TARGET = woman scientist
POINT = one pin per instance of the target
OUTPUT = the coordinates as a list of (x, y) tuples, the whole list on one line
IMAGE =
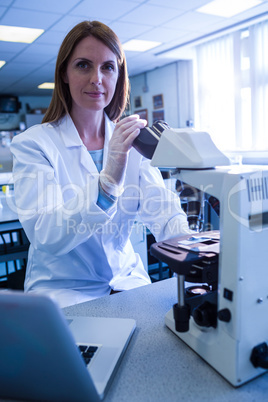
[(79, 184)]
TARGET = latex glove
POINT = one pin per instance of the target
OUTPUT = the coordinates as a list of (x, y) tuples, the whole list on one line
[(113, 175)]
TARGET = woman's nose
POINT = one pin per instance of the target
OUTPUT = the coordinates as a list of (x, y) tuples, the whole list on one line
[(96, 77)]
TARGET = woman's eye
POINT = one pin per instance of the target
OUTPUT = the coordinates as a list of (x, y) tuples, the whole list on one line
[(82, 64), (109, 67)]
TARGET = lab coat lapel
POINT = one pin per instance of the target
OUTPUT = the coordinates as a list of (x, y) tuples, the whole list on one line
[(109, 129), (72, 139), (87, 161)]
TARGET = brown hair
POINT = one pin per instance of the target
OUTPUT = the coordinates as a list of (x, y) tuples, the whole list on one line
[(61, 102)]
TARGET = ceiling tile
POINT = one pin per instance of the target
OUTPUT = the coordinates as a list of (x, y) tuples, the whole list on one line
[(66, 23), (2, 10), (262, 8), (6, 3), (19, 69), (180, 4), (193, 21), (12, 47), (60, 7), (26, 18), (162, 34), (126, 30), (42, 56), (50, 38), (106, 9), (151, 15)]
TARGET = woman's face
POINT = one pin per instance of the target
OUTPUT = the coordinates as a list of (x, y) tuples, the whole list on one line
[(92, 73)]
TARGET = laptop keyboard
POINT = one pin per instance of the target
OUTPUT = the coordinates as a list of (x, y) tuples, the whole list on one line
[(87, 352)]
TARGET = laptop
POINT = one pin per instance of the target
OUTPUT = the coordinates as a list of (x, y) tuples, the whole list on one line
[(40, 359)]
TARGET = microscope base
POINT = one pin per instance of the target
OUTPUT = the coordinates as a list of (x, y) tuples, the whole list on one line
[(219, 350)]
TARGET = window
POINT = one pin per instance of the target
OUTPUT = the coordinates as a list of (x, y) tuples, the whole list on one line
[(231, 76)]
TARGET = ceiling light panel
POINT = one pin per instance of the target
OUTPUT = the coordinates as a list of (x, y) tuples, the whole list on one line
[(19, 34), (47, 85), (228, 8), (136, 45)]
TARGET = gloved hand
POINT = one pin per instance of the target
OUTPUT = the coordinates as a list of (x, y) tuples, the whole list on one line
[(113, 175)]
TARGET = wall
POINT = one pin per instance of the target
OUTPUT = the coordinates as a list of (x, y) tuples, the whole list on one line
[(175, 83), (11, 121)]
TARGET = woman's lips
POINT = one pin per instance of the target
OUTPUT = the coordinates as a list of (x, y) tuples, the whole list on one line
[(95, 94)]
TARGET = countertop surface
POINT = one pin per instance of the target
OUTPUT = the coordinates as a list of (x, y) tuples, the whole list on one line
[(157, 365)]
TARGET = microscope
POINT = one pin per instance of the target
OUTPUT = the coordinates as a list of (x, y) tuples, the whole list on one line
[(223, 314)]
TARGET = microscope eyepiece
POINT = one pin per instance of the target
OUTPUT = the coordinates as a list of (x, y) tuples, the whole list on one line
[(147, 140)]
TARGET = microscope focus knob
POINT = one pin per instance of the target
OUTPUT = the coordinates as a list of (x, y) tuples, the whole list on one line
[(205, 315), (224, 315), (181, 316)]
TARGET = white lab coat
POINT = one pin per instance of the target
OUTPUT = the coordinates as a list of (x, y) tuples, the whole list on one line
[(78, 251)]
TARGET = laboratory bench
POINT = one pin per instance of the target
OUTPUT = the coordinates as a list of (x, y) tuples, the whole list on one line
[(157, 365)]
